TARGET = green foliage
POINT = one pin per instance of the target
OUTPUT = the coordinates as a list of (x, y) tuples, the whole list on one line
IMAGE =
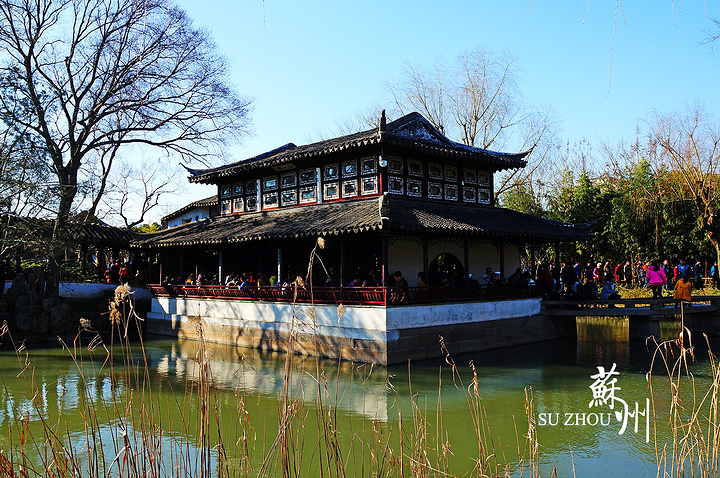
[(523, 199), (642, 216), (70, 269), (147, 228), (561, 198)]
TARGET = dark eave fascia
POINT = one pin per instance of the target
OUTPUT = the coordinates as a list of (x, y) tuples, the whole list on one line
[(499, 161), (575, 235), (258, 237), (391, 136)]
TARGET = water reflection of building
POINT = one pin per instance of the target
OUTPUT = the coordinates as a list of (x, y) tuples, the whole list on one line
[(359, 389), (399, 197)]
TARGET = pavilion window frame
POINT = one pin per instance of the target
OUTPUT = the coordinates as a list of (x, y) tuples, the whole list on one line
[(307, 189), (415, 168), (308, 177), (238, 204), (451, 192), (396, 165), (286, 199), (288, 180), (331, 172), (473, 194), (367, 191), (435, 171), (331, 191), (410, 188), (349, 188)]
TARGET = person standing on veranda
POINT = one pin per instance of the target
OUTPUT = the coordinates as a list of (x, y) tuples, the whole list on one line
[(656, 279)]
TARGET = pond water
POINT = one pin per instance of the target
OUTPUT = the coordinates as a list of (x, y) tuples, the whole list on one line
[(382, 420)]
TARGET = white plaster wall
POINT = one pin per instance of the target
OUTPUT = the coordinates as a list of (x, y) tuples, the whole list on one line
[(512, 259), (406, 257), (455, 248), (357, 322), (95, 290), (408, 317), (202, 212), (482, 256), (488, 255)]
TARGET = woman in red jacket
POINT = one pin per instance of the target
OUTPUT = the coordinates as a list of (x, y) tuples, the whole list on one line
[(656, 279)]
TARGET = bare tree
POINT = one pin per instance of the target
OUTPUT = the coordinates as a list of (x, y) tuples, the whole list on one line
[(476, 101), (688, 145), (25, 192), (134, 192), (98, 75)]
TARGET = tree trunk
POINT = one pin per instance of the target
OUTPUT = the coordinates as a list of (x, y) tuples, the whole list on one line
[(61, 236)]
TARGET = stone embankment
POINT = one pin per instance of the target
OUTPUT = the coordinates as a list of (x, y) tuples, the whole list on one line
[(27, 312)]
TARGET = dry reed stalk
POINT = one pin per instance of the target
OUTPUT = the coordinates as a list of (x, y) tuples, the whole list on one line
[(694, 426), (423, 450), (532, 441), (488, 461)]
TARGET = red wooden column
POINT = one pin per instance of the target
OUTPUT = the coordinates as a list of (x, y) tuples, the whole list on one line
[(385, 281), (384, 247), (342, 261)]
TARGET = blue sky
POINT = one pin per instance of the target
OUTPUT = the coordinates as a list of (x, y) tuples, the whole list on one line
[(309, 65)]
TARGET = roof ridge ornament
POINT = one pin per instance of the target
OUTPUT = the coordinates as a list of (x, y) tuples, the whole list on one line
[(382, 160)]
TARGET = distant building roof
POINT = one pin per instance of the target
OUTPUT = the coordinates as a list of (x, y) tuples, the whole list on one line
[(412, 131), (389, 212), (104, 235), (207, 202), (83, 232)]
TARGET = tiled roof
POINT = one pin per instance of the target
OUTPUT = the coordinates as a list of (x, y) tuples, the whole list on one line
[(390, 213), (96, 233), (412, 131), (207, 202), (472, 220), (100, 234), (311, 220)]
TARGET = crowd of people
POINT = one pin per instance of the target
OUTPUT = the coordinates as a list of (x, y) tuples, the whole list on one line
[(594, 280), (329, 278), (599, 280), (122, 271)]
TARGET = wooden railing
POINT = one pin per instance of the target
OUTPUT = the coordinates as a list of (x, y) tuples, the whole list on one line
[(347, 295), (630, 307)]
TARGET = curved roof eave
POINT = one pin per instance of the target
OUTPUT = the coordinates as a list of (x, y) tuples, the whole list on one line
[(411, 130)]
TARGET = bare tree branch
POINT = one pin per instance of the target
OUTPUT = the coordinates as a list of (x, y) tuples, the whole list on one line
[(99, 75)]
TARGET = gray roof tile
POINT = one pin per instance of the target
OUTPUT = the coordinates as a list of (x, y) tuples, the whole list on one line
[(392, 213), (412, 131)]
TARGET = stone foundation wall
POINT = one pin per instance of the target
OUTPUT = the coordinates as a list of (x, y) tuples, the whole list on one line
[(270, 340), (422, 343), (360, 333)]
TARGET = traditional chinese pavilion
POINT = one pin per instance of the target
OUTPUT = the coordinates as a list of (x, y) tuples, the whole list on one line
[(399, 197)]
